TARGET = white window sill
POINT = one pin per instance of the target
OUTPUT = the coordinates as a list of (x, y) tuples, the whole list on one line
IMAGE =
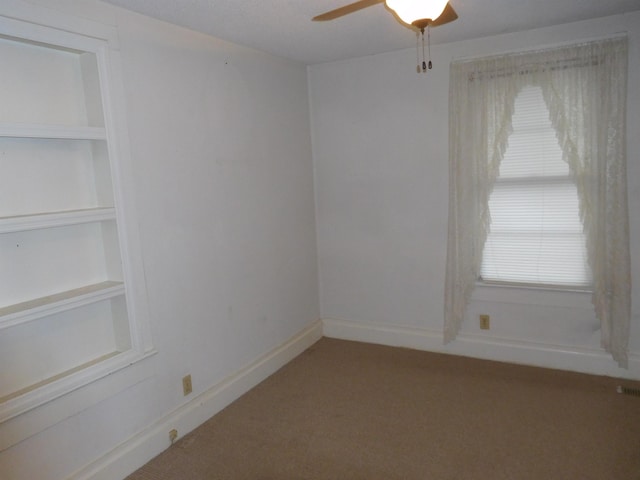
[(531, 295)]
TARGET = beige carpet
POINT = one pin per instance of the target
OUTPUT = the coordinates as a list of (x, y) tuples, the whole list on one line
[(345, 410)]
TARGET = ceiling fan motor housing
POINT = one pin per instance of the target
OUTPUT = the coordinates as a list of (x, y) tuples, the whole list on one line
[(419, 13)]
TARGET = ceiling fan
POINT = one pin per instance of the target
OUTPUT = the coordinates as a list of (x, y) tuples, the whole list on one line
[(420, 14)]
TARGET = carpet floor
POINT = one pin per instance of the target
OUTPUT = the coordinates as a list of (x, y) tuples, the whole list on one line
[(347, 410)]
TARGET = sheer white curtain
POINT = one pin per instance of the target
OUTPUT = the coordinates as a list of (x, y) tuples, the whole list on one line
[(584, 87)]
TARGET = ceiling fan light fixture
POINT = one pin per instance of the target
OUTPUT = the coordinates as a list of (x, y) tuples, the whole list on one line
[(412, 11)]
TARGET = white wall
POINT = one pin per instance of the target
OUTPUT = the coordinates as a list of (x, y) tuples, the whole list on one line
[(380, 145), (223, 184)]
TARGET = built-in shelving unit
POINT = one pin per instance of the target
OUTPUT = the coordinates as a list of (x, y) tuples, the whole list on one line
[(65, 316)]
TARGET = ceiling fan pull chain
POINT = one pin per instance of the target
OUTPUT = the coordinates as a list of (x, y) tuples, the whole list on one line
[(424, 64), (429, 43), (418, 69)]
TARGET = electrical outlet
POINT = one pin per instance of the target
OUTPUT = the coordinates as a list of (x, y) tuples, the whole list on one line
[(187, 388), (485, 322), (173, 435)]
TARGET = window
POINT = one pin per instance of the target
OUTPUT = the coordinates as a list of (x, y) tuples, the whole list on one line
[(584, 88), (536, 236)]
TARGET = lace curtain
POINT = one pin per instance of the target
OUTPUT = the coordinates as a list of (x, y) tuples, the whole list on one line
[(584, 87)]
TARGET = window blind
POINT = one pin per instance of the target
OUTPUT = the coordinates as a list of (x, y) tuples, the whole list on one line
[(536, 235)]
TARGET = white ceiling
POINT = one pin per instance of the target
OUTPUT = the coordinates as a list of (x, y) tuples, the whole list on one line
[(284, 27)]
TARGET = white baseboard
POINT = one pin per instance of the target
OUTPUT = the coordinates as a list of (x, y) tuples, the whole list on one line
[(145, 445), (571, 358)]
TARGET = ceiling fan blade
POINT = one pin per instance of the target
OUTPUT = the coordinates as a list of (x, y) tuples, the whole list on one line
[(447, 15), (339, 12)]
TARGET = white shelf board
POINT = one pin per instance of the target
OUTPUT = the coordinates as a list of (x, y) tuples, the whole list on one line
[(23, 312), (21, 223), (27, 130), (59, 376), (44, 391)]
